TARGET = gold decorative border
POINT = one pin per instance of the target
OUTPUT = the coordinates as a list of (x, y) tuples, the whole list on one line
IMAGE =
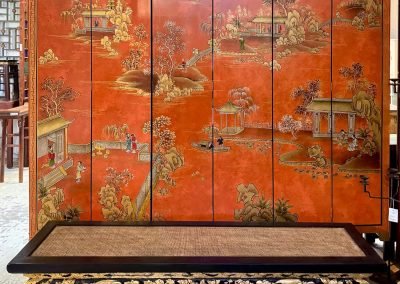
[(32, 49)]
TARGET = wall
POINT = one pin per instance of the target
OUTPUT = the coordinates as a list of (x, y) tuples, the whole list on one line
[(270, 80)]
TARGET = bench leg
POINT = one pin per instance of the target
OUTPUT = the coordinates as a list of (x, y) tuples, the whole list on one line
[(26, 145), (21, 125), (3, 148)]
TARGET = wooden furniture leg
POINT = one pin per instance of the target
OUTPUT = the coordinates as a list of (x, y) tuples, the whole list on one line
[(21, 125), (10, 141), (3, 148), (26, 145)]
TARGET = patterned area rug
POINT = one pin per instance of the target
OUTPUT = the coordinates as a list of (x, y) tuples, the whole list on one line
[(197, 278)]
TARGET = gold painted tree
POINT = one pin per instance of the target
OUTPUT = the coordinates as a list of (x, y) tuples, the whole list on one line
[(115, 131), (137, 52), (165, 138), (363, 100), (167, 158), (55, 96), (242, 98), (307, 93), (120, 17), (169, 43)]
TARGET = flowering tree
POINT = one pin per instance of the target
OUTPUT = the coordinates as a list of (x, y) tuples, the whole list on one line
[(56, 94), (165, 137), (242, 98), (288, 124), (140, 32), (117, 179), (357, 82), (307, 94), (169, 43), (168, 159), (137, 52)]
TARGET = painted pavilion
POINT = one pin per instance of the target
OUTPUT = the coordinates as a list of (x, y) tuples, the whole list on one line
[(53, 130), (230, 110), (266, 26), (96, 20), (331, 108)]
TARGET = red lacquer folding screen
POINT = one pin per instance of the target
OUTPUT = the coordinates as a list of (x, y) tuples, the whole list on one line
[(209, 110)]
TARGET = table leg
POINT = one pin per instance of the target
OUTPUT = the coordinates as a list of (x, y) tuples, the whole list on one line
[(21, 125), (3, 148)]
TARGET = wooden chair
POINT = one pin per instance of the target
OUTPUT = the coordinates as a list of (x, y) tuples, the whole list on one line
[(7, 116)]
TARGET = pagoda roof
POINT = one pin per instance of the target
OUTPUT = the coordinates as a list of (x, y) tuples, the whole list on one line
[(51, 125), (229, 108), (327, 105)]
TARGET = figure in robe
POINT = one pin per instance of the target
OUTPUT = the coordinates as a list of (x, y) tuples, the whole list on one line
[(128, 143), (52, 157), (134, 143), (353, 146), (80, 168)]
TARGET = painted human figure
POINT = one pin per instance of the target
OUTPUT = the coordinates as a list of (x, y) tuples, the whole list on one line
[(80, 168), (342, 134), (342, 137), (134, 143), (241, 41), (353, 146), (128, 143), (52, 157), (220, 141)]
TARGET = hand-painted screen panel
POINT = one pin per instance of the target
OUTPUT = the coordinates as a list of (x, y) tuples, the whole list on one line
[(200, 110), (64, 111)]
